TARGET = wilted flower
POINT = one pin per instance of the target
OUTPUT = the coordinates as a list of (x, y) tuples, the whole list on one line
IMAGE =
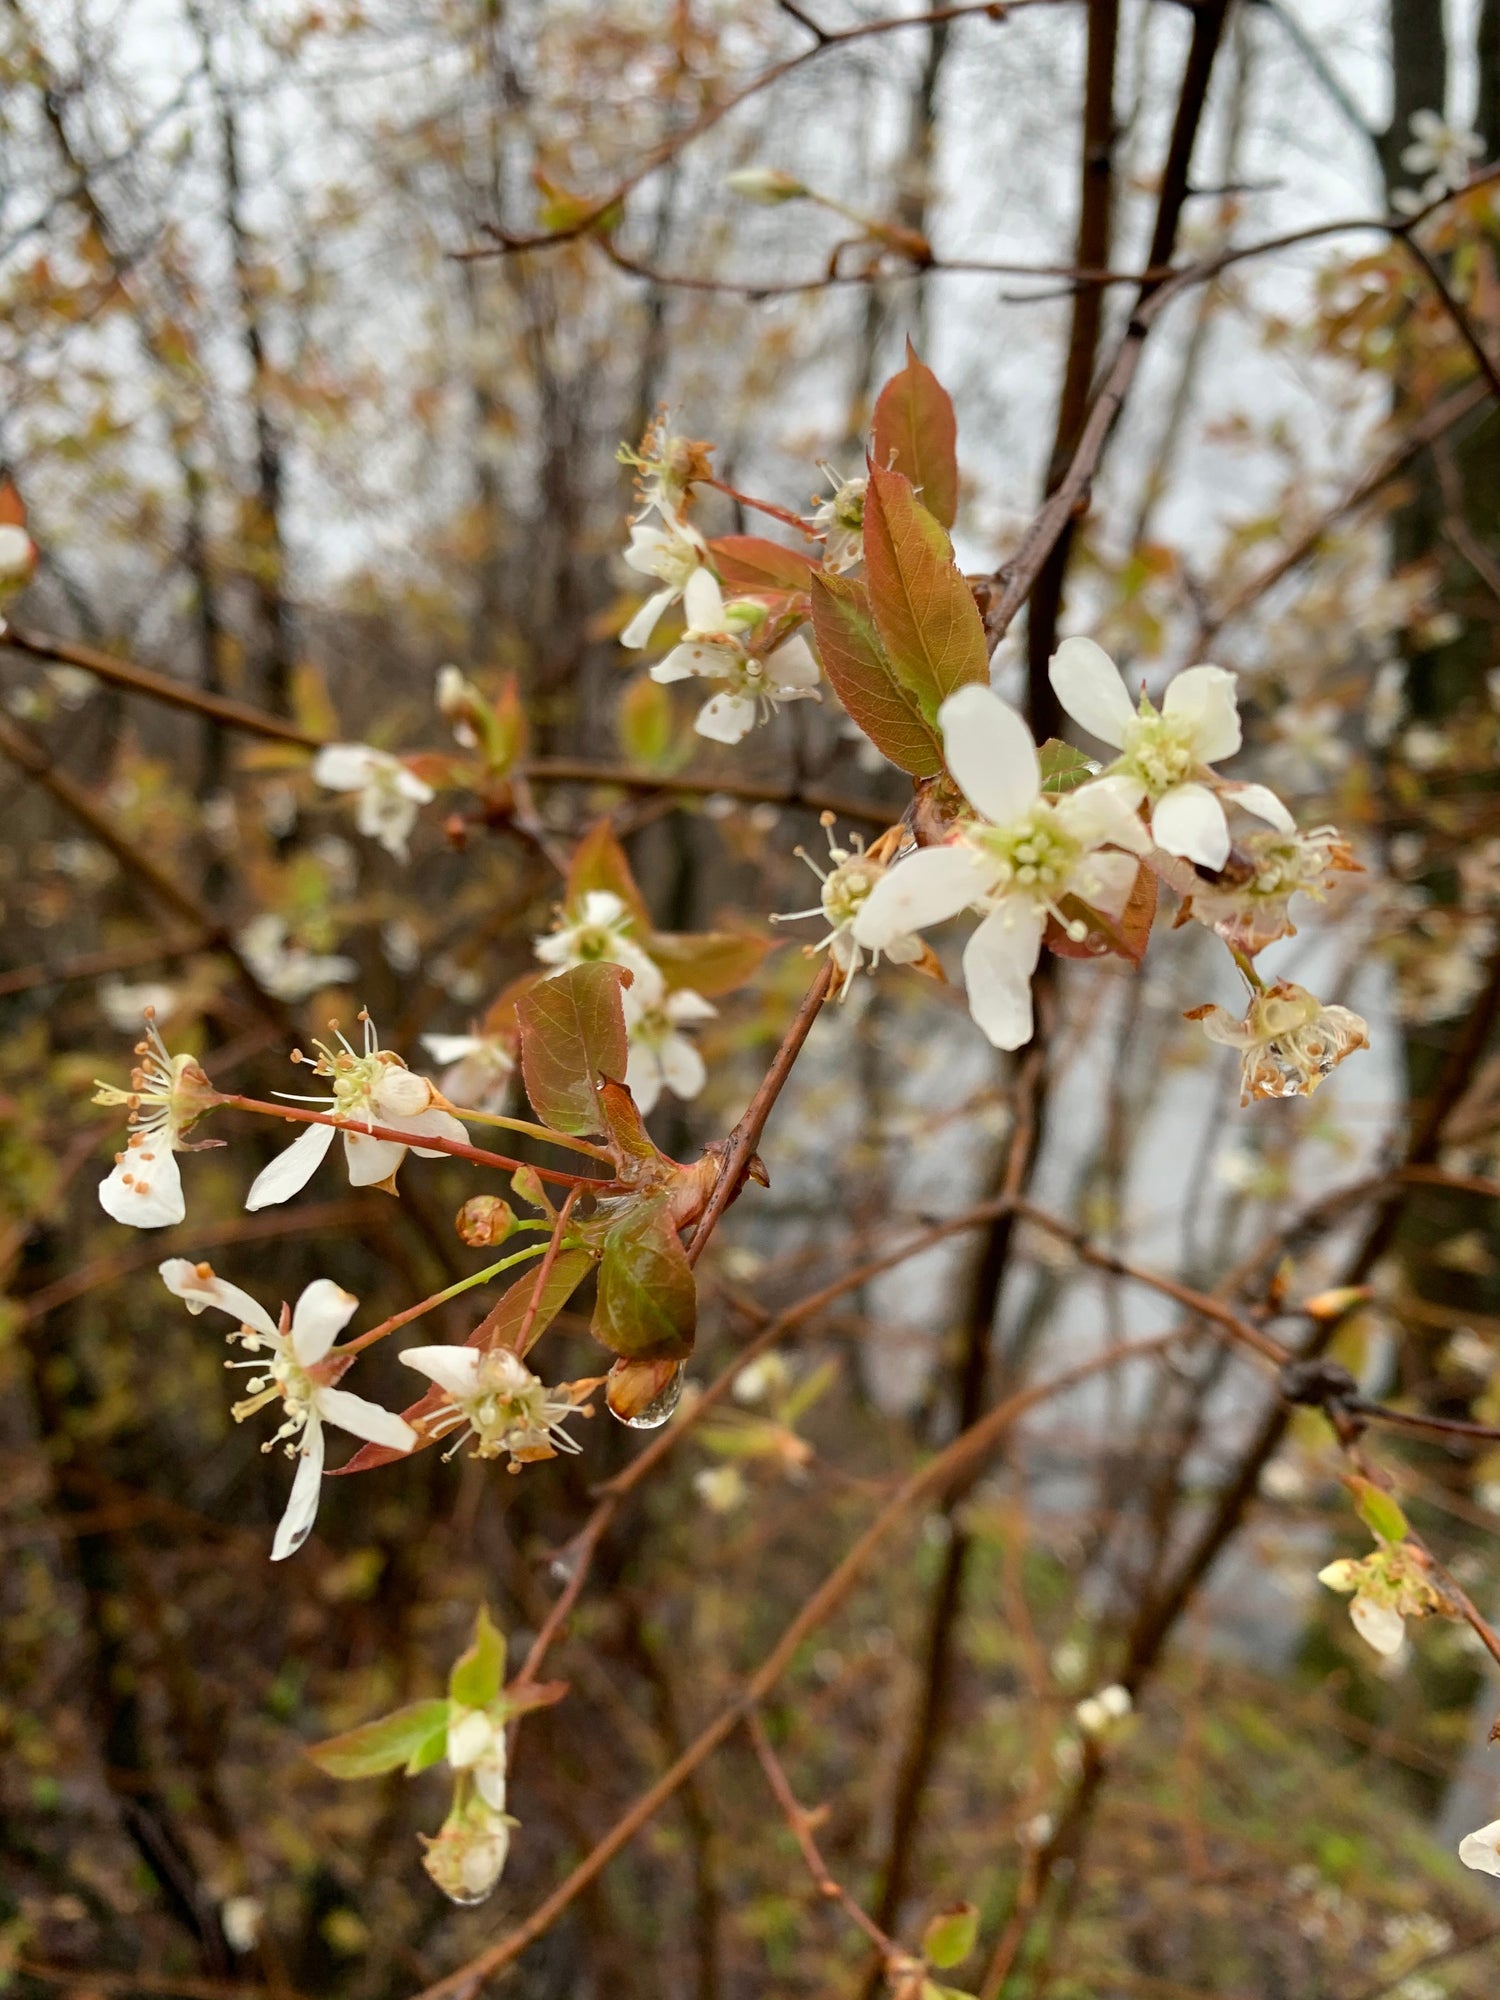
[(1247, 902), (1017, 861), (298, 1375), (666, 468), (1289, 1041), (376, 1088), (499, 1402), (717, 646), (846, 886), (467, 1857), (841, 518), (476, 1069), (1389, 1586), (289, 971), (661, 1056), (1166, 754), (600, 926), (389, 795), (167, 1095), (1481, 1850), (677, 555)]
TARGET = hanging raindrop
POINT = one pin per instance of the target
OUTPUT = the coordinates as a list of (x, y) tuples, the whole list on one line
[(651, 1416)]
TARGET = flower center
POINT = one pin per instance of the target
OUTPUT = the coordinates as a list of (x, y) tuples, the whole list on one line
[(846, 888), (1159, 751), (1033, 855)]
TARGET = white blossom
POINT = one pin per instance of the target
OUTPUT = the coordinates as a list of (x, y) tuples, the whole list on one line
[(476, 1744), (295, 1373), (601, 926), (1166, 755), (498, 1402), (167, 1095), (289, 971), (676, 554), (717, 646), (1015, 861), (1443, 150), (1481, 1849), (477, 1069), (661, 1056), (389, 795), (373, 1087), (841, 521), (845, 890)]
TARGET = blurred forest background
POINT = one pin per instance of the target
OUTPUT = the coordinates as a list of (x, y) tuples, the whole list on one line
[(291, 426)]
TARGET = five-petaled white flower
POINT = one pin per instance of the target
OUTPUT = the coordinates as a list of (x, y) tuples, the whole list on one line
[(846, 888), (167, 1095), (1443, 150), (477, 1069), (1016, 861), (717, 647), (290, 971), (373, 1088), (297, 1372), (677, 555), (1166, 754), (389, 794), (499, 1402), (661, 1056), (1481, 1849), (600, 925)]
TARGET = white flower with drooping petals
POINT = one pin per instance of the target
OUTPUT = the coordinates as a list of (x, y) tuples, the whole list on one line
[(375, 1088), (846, 888), (1387, 1588), (297, 1374), (677, 555), (716, 647), (389, 795), (1481, 1849), (499, 1402), (167, 1095), (1016, 861), (476, 1744), (476, 1069), (1166, 754), (601, 926), (841, 519), (1288, 1040), (289, 971), (661, 1056)]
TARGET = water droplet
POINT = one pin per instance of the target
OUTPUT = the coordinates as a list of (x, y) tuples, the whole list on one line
[(466, 1898), (651, 1416)]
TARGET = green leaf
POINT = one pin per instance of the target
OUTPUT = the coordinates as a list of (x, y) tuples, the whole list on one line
[(1064, 769), (1126, 936), (916, 432), (951, 1935), (648, 1304), (406, 1737), (708, 962), (855, 662), (924, 611), (648, 730), (599, 863), (572, 1033), (1378, 1510), (479, 1673), (750, 562)]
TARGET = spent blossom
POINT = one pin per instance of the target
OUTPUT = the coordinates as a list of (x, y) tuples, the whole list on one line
[(1247, 901), (1388, 1587), (167, 1095), (666, 468), (845, 890), (1166, 755), (372, 1086), (1017, 861), (467, 1856), (297, 1371), (498, 1402), (718, 645), (677, 556), (661, 1056), (1288, 1040), (841, 521), (388, 794)]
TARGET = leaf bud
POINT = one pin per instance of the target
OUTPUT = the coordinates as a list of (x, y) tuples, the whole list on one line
[(484, 1219)]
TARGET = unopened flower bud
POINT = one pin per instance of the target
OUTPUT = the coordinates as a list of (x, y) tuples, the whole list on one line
[(767, 185), (17, 554), (485, 1219), (400, 1094)]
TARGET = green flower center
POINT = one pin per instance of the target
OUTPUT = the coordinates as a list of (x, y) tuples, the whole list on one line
[(1158, 751), (846, 888), (1035, 855)]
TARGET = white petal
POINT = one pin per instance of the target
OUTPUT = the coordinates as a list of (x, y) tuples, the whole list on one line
[(1481, 1850), (646, 545), (728, 718), (370, 1421), (692, 658), (371, 1161), (989, 751), (685, 1005), (638, 631), (445, 1049), (928, 887), (319, 1317), (792, 664), (703, 601), (1379, 1625), (290, 1171), (1204, 697), (412, 787), (643, 1079), (489, 1782), (1104, 882), (182, 1279), (1189, 821), (433, 1124), (469, 1736), (1105, 811), (1263, 802), (1087, 683), (682, 1067), (452, 1368), (999, 960), (302, 1506), (154, 1197), (346, 767)]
